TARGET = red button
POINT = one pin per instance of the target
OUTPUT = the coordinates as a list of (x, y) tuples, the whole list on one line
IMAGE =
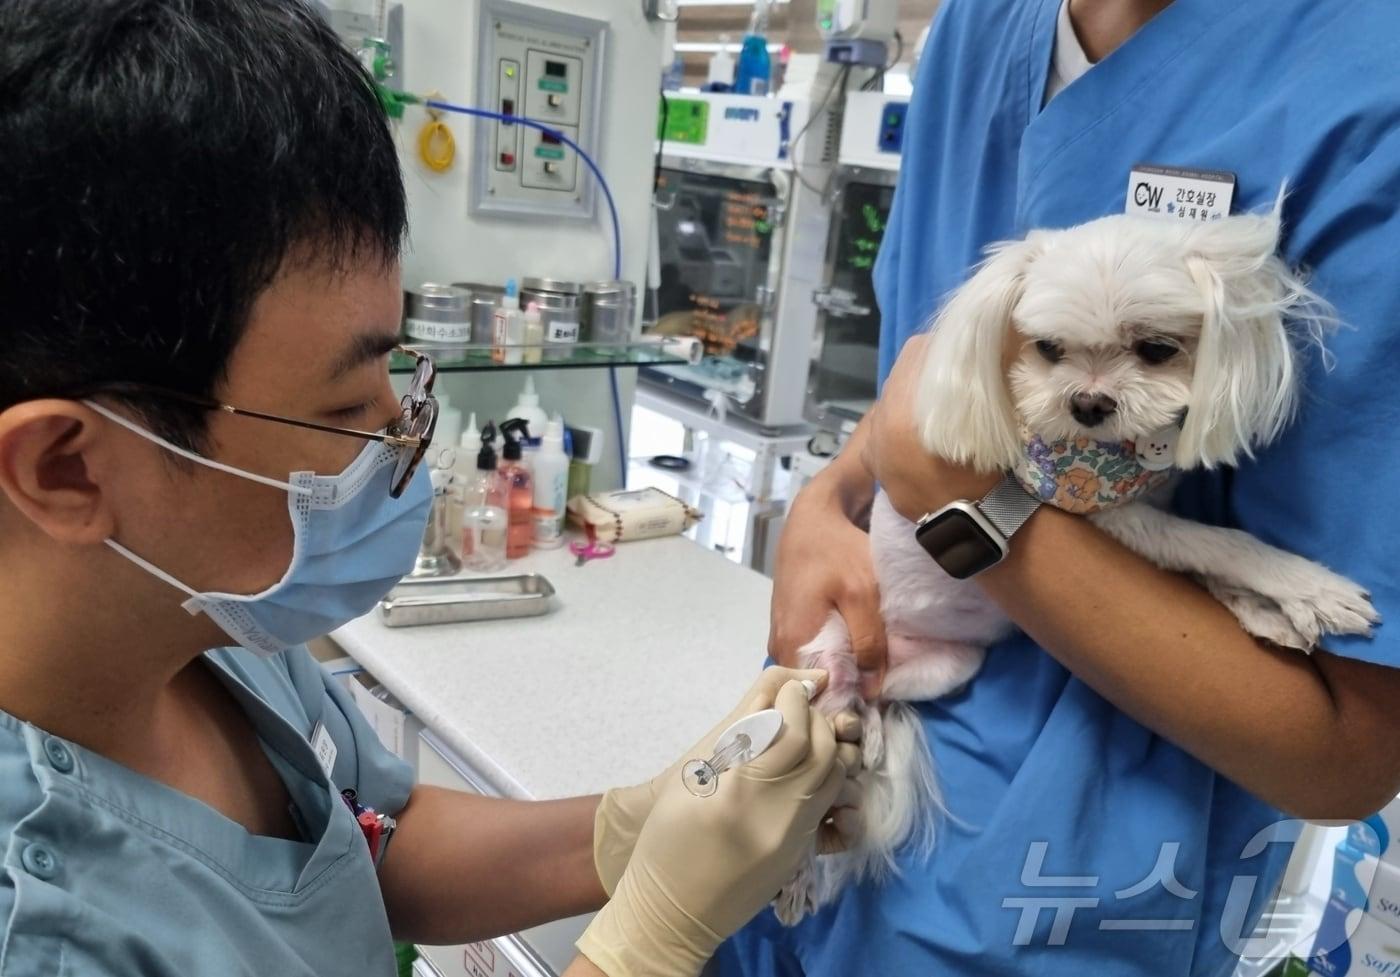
[(507, 159)]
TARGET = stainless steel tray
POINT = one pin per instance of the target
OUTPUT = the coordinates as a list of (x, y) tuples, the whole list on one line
[(454, 599)]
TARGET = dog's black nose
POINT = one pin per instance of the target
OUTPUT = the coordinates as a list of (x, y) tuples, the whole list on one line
[(1091, 409)]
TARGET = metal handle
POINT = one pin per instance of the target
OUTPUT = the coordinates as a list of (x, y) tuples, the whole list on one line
[(766, 298), (838, 302)]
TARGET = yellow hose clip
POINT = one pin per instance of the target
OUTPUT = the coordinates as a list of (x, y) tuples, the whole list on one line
[(436, 146)]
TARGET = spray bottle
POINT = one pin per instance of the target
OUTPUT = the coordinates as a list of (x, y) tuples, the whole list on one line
[(527, 408), (484, 518), (520, 497)]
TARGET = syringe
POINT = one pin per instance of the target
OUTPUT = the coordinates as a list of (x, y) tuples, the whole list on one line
[(742, 742)]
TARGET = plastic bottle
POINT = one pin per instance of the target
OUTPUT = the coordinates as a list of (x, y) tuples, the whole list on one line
[(440, 552), (551, 471), (520, 497), (754, 71), (485, 522), (508, 327), (449, 426), (534, 333), (721, 74), (527, 408)]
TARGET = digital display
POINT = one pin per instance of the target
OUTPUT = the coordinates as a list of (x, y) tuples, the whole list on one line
[(549, 139), (716, 240), (556, 69), (844, 374)]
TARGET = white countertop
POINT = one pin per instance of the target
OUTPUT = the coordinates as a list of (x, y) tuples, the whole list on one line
[(643, 652)]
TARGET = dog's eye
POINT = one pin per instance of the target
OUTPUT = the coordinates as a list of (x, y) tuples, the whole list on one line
[(1156, 351), (1052, 351)]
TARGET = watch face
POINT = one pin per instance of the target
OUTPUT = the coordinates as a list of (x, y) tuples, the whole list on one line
[(958, 544)]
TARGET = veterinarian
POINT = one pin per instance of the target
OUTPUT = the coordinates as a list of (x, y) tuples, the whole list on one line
[(183, 228), (1116, 761)]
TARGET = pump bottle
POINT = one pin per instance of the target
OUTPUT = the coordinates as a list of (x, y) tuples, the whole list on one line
[(520, 498)]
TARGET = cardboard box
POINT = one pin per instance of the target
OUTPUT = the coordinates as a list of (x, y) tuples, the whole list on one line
[(1379, 834), (1351, 943), (1362, 881)]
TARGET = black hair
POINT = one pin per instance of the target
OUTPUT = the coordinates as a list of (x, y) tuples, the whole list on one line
[(160, 161)]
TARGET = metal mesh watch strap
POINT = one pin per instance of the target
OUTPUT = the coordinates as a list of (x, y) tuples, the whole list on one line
[(1008, 506)]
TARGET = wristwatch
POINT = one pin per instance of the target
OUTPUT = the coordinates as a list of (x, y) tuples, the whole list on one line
[(965, 538)]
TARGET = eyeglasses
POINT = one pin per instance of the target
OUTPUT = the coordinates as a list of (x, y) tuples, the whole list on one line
[(412, 433)]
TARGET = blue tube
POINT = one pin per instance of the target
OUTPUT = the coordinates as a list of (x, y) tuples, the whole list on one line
[(554, 134), (616, 229)]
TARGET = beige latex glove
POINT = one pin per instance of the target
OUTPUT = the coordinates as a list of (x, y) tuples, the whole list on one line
[(623, 810), (704, 866)]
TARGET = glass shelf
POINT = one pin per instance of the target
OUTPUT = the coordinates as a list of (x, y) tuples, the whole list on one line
[(458, 358)]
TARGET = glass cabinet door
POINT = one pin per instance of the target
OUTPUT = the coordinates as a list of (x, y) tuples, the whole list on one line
[(715, 235), (845, 364)]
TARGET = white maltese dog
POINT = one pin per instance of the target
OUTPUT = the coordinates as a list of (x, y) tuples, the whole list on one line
[(1091, 362)]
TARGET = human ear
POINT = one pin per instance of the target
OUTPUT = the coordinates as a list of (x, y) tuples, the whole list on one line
[(46, 469)]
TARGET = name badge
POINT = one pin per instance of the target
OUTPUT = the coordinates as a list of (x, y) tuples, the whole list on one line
[(1175, 193), (324, 747)]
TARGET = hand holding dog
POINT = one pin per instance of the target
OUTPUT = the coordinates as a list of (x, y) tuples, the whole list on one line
[(916, 481)]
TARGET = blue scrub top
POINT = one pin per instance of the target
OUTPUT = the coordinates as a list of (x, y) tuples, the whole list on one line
[(110, 874), (1267, 89)]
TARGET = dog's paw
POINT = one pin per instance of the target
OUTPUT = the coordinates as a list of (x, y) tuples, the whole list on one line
[(1324, 603), (1329, 603), (1261, 617), (798, 898)]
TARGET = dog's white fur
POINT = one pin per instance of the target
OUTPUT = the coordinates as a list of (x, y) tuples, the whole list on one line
[(1219, 293)]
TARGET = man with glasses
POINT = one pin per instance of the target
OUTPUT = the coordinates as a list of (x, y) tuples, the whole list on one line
[(202, 466)]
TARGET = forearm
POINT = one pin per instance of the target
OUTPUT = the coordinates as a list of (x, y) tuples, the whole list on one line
[(464, 867), (846, 480), (1167, 654)]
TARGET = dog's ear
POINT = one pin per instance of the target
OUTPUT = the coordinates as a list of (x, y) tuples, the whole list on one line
[(965, 409), (1245, 387)]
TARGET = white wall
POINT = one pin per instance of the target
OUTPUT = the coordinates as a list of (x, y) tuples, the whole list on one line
[(447, 244)]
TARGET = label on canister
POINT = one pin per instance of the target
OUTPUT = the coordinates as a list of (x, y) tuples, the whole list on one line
[(562, 331), (438, 332)]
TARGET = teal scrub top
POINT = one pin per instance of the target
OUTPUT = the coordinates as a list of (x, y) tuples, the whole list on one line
[(1147, 862), (107, 872)]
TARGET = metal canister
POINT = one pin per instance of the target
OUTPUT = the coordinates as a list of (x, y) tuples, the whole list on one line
[(559, 308), (438, 314), (608, 309), (485, 298)]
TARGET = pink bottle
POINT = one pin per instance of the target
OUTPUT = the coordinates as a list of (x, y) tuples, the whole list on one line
[(520, 497)]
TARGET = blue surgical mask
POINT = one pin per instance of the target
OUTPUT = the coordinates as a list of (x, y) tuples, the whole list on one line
[(351, 544)]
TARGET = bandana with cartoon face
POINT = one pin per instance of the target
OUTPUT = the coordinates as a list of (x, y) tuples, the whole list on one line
[(1084, 474)]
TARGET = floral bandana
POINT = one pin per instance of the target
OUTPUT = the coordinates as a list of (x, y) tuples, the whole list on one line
[(1084, 475)]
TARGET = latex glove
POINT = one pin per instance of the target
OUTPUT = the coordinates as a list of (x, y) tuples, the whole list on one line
[(623, 810), (704, 866)]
